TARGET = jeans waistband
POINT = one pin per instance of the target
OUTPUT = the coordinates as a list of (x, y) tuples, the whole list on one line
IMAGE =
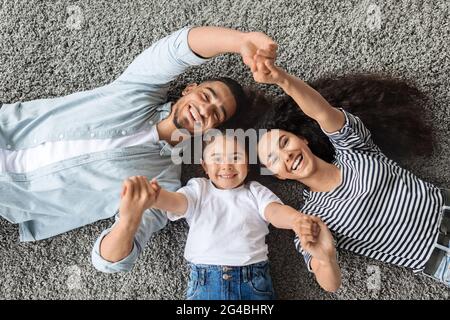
[(228, 272), (228, 268), (441, 246)]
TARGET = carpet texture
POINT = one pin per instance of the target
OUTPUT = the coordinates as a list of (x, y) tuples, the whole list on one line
[(53, 48)]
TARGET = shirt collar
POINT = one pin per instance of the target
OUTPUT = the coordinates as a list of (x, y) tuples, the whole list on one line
[(164, 111)]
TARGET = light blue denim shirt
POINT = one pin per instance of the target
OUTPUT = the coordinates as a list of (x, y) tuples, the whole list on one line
[(81, 190)]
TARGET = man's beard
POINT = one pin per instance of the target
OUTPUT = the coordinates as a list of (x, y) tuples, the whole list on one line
[(176, 119)]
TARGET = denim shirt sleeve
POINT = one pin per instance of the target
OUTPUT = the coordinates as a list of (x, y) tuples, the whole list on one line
[(163, 61), (153, 220)]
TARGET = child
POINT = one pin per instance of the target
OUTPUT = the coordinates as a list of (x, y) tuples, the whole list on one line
[(228, 219)]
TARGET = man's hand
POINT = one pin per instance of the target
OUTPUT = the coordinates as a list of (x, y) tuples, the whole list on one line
[(138, 194), (315, 238), (257, 41)]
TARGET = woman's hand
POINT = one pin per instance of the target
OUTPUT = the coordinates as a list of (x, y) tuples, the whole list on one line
[(264, 69), (316, 238), (138, 194)]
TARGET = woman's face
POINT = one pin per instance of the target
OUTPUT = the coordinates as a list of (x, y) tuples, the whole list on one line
[(286, 155)]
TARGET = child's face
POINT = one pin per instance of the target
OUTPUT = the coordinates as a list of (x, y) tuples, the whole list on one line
[(225, 162)]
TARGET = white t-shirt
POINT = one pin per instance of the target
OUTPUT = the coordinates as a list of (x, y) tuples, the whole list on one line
[(227, 227), (21, 161)]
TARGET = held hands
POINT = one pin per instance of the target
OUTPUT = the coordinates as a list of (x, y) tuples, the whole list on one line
[(138, 194), (264, 69), (254, 42), (259, 53), (315, 238)]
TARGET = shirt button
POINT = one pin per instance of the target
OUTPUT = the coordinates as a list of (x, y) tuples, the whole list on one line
[(151, 122), (61, 136), (35, 141), (8, 146), (124, 132), (92, 135), (226, 277)]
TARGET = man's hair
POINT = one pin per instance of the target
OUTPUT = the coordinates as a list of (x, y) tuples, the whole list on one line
[(236, 90)]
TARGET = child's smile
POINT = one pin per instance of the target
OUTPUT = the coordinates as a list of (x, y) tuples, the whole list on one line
[(225, 162)]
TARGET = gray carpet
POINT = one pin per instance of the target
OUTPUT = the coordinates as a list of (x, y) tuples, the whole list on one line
[(47, 50)]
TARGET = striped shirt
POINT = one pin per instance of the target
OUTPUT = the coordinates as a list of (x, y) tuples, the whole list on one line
[(380, 210)]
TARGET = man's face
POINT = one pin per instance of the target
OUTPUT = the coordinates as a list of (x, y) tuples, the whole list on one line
[(203, 106)]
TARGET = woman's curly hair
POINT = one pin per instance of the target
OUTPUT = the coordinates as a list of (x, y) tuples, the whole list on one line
[(391, 109)]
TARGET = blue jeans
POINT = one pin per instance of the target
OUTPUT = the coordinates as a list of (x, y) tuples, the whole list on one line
[(438, 266), (211, 282)]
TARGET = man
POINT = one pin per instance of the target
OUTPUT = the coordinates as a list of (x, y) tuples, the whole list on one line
[(62, 160)]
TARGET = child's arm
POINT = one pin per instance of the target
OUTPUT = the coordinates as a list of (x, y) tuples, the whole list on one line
[(315, 238), (310, 101), (282, 216), (173, 202)]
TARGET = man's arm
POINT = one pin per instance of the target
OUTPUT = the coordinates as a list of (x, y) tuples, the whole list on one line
[(138, 194), (208, 42), (137, 197), (170, 56)]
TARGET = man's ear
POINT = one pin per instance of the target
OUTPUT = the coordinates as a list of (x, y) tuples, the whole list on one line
[(189, 88)]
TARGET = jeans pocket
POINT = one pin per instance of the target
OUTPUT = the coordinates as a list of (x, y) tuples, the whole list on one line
[(192, 285), (261, 282), (447, 272)]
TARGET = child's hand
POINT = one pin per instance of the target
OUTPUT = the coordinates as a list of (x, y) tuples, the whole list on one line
[(264, 69), (138, 194), (315, 238)]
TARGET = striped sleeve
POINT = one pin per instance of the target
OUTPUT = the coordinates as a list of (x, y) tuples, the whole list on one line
[(352, 136)]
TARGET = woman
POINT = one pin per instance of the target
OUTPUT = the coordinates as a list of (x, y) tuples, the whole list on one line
[(372, 205)]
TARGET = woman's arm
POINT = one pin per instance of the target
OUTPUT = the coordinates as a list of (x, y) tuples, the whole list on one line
[(310, 101), (315, 238), (324, 264)]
